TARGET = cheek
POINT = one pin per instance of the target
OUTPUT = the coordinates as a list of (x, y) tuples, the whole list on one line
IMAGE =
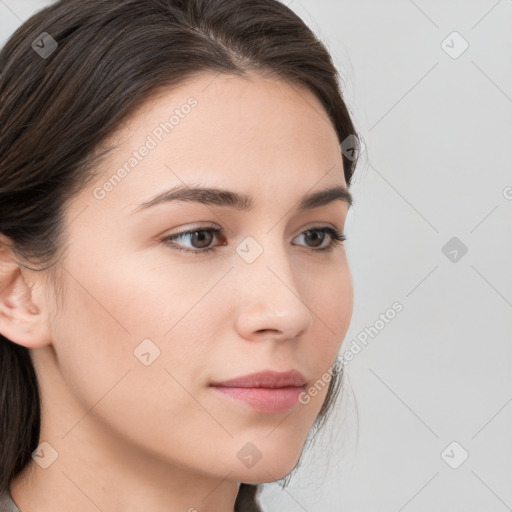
[(332, 306), (120, 314), (344, 300), (102, 375), (148, 295), (94, 350), (331, 303)]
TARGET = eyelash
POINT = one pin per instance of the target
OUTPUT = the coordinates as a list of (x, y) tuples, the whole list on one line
[(337, 237)]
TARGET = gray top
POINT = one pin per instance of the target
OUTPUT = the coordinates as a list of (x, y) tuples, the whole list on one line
[(7, 505)]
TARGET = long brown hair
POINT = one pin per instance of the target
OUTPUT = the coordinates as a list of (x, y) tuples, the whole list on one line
[(69, 76)]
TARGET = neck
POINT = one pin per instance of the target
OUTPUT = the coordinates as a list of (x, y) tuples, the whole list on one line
[(98, 469)]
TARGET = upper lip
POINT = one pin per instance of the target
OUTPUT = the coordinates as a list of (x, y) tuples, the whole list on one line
[(265, 379)]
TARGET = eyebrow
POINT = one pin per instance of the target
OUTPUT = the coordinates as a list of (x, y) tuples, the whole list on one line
[(227, 198)]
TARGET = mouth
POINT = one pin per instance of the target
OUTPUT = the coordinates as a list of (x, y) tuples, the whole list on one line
[(267, 400), (266, 379), (267, 392)]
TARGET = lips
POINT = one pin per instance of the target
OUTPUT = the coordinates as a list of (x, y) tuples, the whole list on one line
[(266, 379), (266, 392)]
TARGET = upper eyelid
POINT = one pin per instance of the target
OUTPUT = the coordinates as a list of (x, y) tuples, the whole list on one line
[(312, 225), (222, 230), (217, 231)]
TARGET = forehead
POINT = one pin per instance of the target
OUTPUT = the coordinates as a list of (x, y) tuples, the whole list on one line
[(224, 130)]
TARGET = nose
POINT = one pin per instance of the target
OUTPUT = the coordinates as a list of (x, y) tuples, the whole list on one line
[(270, 301)]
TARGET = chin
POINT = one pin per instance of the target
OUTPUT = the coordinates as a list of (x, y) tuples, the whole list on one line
[(269, 470)]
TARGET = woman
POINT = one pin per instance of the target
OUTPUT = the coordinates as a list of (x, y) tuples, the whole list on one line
[(173, 283)]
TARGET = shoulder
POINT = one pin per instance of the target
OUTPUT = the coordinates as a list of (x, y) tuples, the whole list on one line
[(6, 503)]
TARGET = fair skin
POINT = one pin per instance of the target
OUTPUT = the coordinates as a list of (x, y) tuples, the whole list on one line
[(131, 437)]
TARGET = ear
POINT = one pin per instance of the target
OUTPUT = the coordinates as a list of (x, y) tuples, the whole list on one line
[(22, 321)]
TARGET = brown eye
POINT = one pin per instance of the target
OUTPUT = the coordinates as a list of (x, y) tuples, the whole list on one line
[(315, 238), (199, 240), (312, 236)]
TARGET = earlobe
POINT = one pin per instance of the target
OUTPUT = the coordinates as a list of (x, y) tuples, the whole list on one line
[(21, 320)]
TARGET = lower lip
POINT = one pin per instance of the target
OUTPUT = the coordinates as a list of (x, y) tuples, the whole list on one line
[(269, 400)]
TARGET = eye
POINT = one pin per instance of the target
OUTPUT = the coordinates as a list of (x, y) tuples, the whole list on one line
[(201, 239), (311, 235)]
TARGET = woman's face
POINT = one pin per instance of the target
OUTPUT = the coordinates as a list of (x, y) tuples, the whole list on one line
[(141, 329)]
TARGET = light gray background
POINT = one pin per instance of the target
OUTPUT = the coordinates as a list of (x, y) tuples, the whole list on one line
[(437, 164)]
